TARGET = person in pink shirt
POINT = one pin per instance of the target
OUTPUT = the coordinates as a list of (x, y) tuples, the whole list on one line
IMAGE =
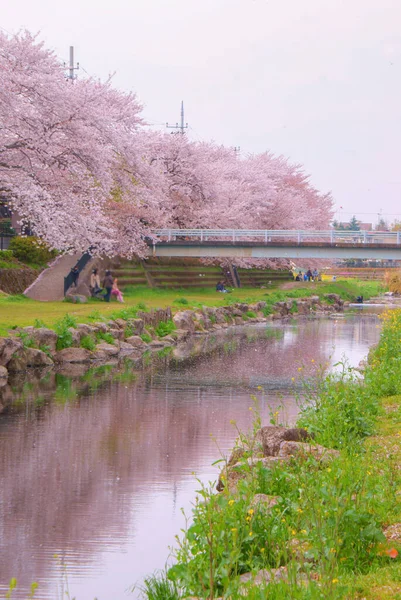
[(116, 292)]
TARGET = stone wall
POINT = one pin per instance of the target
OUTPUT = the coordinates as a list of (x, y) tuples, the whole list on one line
[(31, 347), (15, 281)]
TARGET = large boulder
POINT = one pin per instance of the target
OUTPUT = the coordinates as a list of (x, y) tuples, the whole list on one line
[(73, 355), (8, 347), (29, 357), (271, 436), (108, 349), (184, 320), (136, 325), (288, 448), (136, 341), (44, 337), (85, 329)]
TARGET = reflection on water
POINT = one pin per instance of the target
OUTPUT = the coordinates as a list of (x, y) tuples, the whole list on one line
[(97, 470)]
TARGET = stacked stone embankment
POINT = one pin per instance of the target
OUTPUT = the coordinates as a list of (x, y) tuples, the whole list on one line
[(31, 347)]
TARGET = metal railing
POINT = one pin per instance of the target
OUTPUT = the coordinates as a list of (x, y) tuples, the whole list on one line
[(81, 264), (277, 235)]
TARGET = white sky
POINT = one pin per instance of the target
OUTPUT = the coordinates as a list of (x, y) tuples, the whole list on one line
[(316, 80)]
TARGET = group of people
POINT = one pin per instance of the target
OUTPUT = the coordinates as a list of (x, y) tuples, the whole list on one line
[(110, 285), (308, 275)]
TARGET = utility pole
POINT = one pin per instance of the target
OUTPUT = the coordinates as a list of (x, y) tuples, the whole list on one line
[(179, 128), (237, 150), (71, 67)]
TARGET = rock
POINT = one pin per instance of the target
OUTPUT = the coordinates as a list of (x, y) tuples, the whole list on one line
[(76, 298), (137, 326), (157, 344), (135, 341), (120, 323), (262, 578), (100, 327), (29, 357), (181, 334), (8, 347), (304, 449), (168, 339), (108, 349), (271, 436), (264, 502), (45, 337), (99, 355), (236, 456), (117, 334), (73, 355), (85, 329), (184, 320), (76, 336), (126, 348), (3, 373)]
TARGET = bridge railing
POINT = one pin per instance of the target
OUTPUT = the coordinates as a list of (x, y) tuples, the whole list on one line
[(278, 235)]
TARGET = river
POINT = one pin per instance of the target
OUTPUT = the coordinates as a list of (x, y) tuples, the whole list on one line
[(96, 467)]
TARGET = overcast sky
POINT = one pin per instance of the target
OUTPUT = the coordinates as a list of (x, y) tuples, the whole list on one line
[(318, 81)]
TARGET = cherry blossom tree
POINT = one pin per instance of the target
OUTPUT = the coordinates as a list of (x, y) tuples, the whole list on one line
[(69, 156), (78, 164)]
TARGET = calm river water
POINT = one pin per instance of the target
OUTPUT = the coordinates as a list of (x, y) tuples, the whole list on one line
[(96, 468)]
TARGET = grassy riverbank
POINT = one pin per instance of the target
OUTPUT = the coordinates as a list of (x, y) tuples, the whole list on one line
[(334, 527), (21, 311)]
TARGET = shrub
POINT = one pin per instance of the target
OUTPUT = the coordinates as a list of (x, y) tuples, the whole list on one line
[(88, 343), (105, 337), (165, 328), (145, 337), (181, 301), (31, 250), (26, 339), (62, 328)]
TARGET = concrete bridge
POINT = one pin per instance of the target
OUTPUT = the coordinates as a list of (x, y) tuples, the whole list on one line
[(292, 244)]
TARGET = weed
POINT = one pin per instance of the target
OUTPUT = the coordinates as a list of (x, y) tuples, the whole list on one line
[(159, 587), (26, 339), (181, 301), (88, 343), (104, 337), (64, 335), (145, 337), (38, 323), (165, 328)]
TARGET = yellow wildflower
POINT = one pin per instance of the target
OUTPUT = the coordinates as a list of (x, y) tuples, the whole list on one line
[(335, 580)]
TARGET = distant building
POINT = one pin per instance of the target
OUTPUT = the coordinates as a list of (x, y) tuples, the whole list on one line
[(362, 226)]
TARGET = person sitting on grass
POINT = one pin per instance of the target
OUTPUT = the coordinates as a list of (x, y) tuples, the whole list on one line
[(221, 288), (116, 292)]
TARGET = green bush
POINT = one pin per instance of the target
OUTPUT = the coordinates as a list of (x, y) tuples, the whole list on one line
[(88, 343), (26, 339), (31, 250), (104, 337), (62, 328), (165, 328)]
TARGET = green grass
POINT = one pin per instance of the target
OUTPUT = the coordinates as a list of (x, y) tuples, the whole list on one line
[(21, 311), (330, 518)]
